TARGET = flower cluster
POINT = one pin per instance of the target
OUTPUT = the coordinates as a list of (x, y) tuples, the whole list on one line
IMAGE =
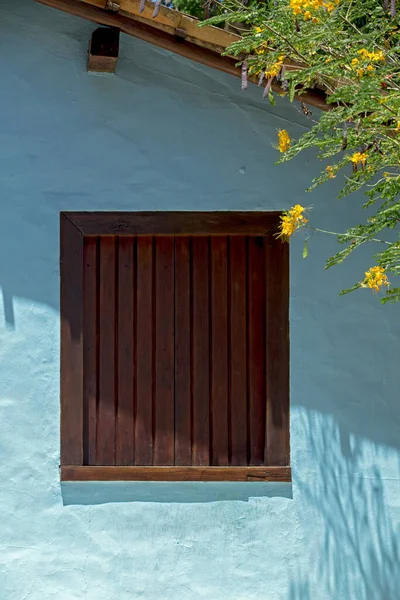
[(359, 157), (262, 49), (283, 140), (364, 62), (373, 56), (291, 220), (330, 171), (375, 279), (346, 55), (308, 8), (274, 69)]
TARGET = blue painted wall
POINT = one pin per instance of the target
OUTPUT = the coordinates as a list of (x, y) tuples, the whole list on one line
[(168, 134)]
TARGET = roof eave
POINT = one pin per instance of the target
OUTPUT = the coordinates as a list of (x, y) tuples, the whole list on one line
[(172, 31)]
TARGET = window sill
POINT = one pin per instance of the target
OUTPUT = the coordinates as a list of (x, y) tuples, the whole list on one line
[(113, 473)]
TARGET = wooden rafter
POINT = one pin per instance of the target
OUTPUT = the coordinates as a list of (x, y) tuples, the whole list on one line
[(172, 20), (170, 30)]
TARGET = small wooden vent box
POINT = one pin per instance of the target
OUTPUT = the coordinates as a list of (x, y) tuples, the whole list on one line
[(103, 50)]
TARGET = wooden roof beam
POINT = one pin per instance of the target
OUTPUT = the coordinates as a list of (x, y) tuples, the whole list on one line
[(170, 20), (199, 51)]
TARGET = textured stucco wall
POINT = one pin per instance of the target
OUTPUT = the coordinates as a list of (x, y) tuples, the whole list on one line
[(168, 134)]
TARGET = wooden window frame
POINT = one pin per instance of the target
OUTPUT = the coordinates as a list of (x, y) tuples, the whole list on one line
[(74, 226)]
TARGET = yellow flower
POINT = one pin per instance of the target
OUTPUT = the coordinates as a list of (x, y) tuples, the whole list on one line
[(298, 6), (287, 227), (375, 278), (297, 211), (259, 30), (262, 48), (331, 173), (295, 5), (274, 69), (359, 157), (374, 56), (363, 52), (290, 221), (355, 63), (283, 140), (309, 7)]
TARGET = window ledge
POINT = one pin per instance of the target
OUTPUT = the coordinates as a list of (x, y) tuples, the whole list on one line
[(114, 473)]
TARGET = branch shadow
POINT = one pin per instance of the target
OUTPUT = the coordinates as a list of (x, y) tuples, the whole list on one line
[(358, 555)]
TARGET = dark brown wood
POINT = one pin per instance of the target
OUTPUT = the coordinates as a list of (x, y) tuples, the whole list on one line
[(174, 223), (250, 474), (71, 300), (105, 445), (90, 346), (219, 352), (103, 50), (277, 355), (238, 350), (144, 353), (170, 42), (256, 349), (183, 400), (125, 435), (176, 350), (200, 352), (164, 446)]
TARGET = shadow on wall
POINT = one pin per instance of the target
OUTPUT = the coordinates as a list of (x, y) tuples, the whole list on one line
[(358, 556), (90, 493)]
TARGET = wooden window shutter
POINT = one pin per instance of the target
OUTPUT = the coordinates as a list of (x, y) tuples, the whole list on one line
[(174, 347)]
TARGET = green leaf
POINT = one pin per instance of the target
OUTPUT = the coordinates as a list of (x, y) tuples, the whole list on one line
[(354, 287), (356, 59), (292, 90), (271, 99)]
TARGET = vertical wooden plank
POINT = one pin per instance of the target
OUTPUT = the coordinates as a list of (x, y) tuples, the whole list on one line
[(277, 353), (105, 446), (125, 443), (144, 352), (164, 443), (256, 349), (238, 349), (182, 353), (219, 351), (71, 358), (90, 346), (200, 352)]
